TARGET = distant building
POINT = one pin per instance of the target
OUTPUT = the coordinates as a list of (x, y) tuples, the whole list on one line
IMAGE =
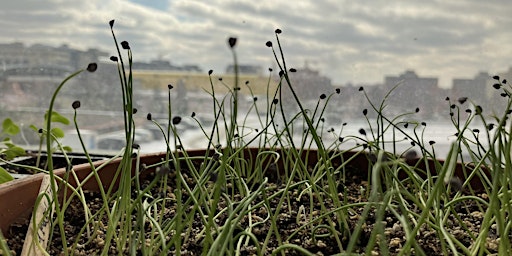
[(154, 65), (411, 92), (475, 89), (28, 74), (13, 54), (497, 102), (245, 69), (18, 56), (480, 91), (308, 84), (410, 80), (191, 68), (162, 65), (155, 79)]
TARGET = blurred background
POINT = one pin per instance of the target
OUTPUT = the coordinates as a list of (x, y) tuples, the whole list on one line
[(430, 49)]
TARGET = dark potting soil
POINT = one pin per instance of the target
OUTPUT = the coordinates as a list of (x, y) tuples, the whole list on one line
[(59, 161), (289, 220)]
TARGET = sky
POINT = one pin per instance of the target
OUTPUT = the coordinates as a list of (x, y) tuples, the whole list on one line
[(356, 42)]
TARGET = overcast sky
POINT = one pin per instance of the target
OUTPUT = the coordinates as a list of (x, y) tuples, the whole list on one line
[(348, 41)]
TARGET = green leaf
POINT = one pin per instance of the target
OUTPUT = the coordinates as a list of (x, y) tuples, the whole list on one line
[(67, 148), (57, 132), (6, 141), (5, 176), (57, 118), (13, 151), (33, 127), (9, 127)]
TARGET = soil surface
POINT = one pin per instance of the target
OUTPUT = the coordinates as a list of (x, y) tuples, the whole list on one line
[(59, 161), (290, 219)]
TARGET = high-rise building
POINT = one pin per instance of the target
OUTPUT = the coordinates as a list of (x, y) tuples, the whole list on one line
[(409, 91)]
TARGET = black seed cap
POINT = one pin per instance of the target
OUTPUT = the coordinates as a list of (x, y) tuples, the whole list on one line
[(268, 44), (76, 104), (232, 42), (92, 67), (176, 120), (478, 110), (125, 45), (111, 23)]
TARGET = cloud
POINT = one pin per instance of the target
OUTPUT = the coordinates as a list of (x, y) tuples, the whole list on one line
[(357, 41)]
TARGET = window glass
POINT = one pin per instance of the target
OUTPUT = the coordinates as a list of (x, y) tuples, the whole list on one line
[(432, 61)]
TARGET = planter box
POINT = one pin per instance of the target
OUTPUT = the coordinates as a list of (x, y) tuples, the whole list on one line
[(17, 197), (58, 159)]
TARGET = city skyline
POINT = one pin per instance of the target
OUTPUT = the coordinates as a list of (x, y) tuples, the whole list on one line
[(350, 41), (69, 59)]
